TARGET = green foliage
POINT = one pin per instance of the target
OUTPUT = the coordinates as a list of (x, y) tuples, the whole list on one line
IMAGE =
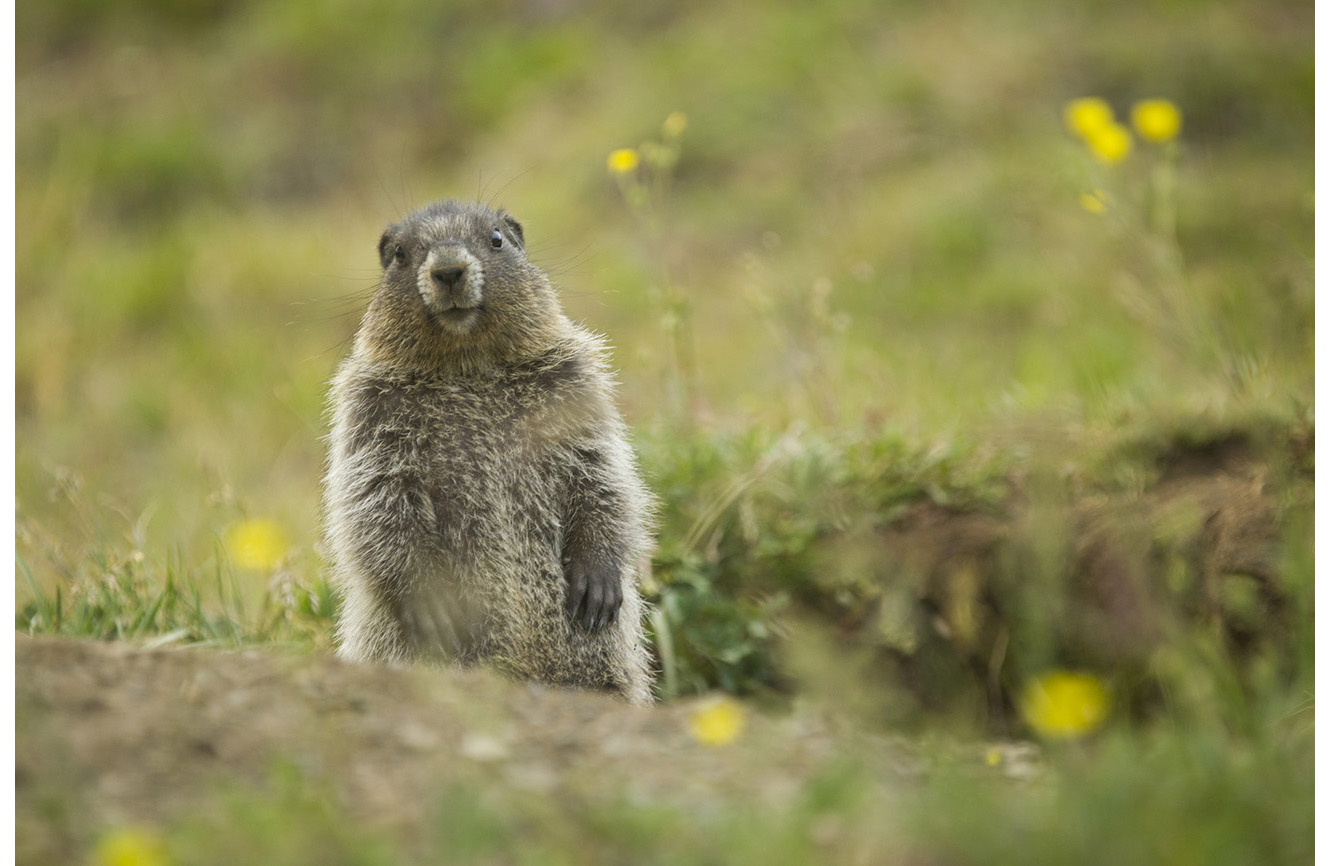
[(298, 822), (294, 822), (128, 599), (1180, 794)]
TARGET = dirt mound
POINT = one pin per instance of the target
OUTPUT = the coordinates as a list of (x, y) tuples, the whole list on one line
[(111, 734)]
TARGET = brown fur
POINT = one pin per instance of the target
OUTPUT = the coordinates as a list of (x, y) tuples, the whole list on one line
[(482, 503)]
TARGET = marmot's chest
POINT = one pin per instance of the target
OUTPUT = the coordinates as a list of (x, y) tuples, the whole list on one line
[(503, 429), (490, 460)]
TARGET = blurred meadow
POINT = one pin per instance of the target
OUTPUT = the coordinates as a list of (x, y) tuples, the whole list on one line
[(949, 400)]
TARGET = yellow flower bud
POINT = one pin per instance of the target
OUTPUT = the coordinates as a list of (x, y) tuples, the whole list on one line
[(1110, 144), (675, 124), (717, 722), (1063, 705), (623, 161), (1156, 119), (258, 545), (1084, 117), (1094, 202), (131, 846)]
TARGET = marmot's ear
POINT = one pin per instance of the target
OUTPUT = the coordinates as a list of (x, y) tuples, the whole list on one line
[(386, 248), (515, 227)]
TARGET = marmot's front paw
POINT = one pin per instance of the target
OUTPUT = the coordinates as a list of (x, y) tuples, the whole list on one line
[(594, 593)]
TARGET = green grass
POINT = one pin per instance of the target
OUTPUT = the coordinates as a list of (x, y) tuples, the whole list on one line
[(867, 287), (124, 600)]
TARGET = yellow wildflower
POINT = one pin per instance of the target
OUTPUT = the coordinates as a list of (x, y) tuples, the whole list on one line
[(623, 161), (1156, 119), (1084, 117), (993, 757), (1095, 202), (1110, 144), (131, 846), (717, 723), (1064, 705), (259, 545), (675, 124)]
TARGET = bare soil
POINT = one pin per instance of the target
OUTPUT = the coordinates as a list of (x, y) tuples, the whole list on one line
[(110, 734)]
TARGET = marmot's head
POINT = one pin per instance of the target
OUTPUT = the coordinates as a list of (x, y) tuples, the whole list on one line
[(457, 282)]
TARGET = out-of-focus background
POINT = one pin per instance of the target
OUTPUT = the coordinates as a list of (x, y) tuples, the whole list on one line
[(874, 219), (922, 356)]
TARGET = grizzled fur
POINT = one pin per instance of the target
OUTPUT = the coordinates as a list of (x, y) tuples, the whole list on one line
[(482, 503)]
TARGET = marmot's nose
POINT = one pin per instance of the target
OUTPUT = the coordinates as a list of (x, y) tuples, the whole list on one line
[(448, 278)]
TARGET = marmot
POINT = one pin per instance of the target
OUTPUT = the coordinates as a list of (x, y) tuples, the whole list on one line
[(482, 502)]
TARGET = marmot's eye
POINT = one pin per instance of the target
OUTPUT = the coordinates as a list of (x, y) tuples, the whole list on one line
[(399, 254), (496, 239)]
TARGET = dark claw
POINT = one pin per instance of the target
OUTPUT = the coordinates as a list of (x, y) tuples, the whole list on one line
[(594, 595), (595, 606)]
